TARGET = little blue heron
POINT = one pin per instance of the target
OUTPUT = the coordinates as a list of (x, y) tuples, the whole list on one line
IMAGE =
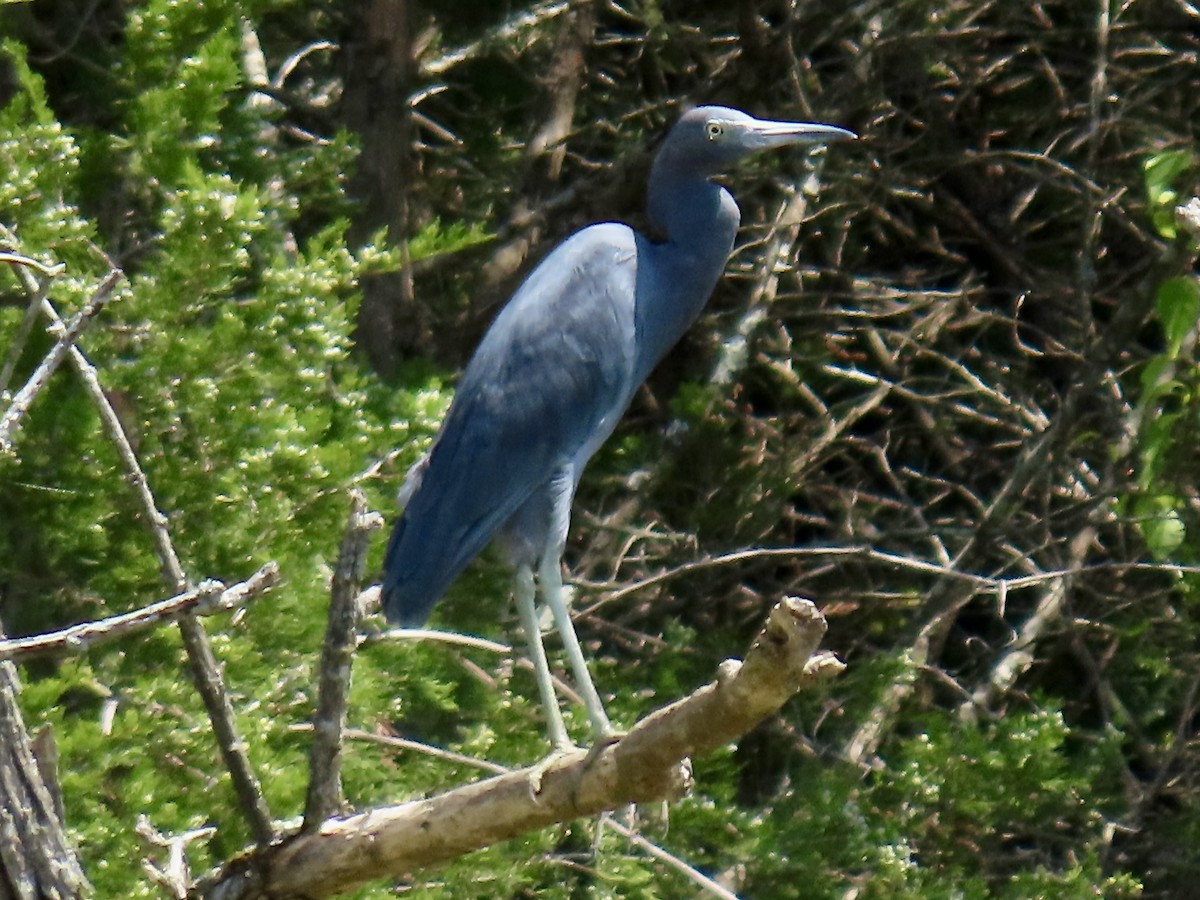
[(552, 376)]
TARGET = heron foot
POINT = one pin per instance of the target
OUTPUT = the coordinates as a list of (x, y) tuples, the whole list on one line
[(601, 740), (607, 737), (538, 772)]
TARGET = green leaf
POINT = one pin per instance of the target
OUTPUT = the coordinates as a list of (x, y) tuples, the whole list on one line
[(1160, 171), (1163, 168), (1178, 303), (1160, 525)]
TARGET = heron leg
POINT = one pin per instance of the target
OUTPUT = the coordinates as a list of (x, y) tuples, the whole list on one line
[(550, 579), (525, 596)]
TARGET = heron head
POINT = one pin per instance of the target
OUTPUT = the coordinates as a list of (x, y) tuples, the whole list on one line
[(709, 139)]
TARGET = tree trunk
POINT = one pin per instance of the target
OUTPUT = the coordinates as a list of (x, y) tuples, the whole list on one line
[(378, 78)]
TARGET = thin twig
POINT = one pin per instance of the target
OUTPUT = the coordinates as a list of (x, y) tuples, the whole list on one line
[(18, 259), (1019, 656), (442, 637), (1098, 94), (981, 583), (691, 873), (17, 345), (206, 599), (724, 559), (507, 31), (399, 743), (10, 421)]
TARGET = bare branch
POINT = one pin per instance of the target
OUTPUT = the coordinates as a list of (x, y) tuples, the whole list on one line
[(398, 743), (781, 238), (17, 346), (203, 663), (669, 859), (999, 586), (211, 686), (1019, 656), (67, 336), (337, 657), (208, 598), (175, 875), (443, 637), (508, 31), (1169, 761), (866, 553), (945, 603), (560, 96), (18, 259), (645, 766)]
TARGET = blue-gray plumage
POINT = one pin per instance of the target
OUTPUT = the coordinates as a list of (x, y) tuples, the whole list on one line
[(553, 375)]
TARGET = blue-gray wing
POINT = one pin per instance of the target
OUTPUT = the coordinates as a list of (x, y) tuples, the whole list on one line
[(552, 373)]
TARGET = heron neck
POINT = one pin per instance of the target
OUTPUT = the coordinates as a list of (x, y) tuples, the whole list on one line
[(685, 206), (699, 221)]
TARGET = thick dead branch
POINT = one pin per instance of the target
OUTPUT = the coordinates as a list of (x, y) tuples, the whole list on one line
[(649, 764), (379, 57), (561, 92), (209, 598), (546, 149)]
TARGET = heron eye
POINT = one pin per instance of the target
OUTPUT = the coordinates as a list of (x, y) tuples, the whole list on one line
[(714, 129)]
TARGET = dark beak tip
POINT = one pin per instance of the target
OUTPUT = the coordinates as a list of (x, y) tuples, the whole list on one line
[(830, 137)]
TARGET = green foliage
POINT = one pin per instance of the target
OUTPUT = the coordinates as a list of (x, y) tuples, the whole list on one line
[(40, 161), (949, 800)]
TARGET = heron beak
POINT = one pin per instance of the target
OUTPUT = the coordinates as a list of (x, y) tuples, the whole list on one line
[(780, 134)]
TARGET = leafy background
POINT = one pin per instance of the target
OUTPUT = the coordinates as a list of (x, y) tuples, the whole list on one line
[(957, 407)]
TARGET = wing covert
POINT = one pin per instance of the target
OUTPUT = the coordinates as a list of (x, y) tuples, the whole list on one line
[(553, 371)]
